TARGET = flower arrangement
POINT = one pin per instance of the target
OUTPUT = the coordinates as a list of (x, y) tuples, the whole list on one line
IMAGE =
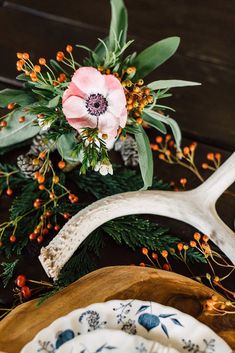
[(83, 108)]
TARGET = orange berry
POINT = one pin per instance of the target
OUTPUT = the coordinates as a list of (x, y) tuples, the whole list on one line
[(49, 213), (37, 68), (154, 256), (193, 146), (205, 166), (36, 175), (193, 244), (52, 195), (161, 156), (40, 239), (166, 267), (210, 156), (60, 56), (159, 139), (55, 179), (41, 187), (155, 147), (186, 247), (22, 119), (49, 226), (142, 264), (32, 236), (168, 153), (183, 181), (205, 238), (19, 55), (164, 253), (130, 70), (25, 56), (9, 192), (61, 164), (42, 155), (3, 123), (11, 106), (104, 136), (62, 77), (186, 150), (145, 251), (36, 204), (139, 121), (42, 61), (12, 238), (33, 75), (218, 156), (197, 236), (41, 179), (1, 243), (57, 227), (66, 215), (180, 246), (69, 48), (146, 91), (168, 137)]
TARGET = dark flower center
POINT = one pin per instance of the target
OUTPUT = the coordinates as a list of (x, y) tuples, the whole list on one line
[(96, 104)]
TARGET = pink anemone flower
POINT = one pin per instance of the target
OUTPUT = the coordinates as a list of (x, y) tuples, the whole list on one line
[(95, 100)]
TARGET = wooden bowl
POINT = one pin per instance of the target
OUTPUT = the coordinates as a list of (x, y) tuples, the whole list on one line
[(119, 282)]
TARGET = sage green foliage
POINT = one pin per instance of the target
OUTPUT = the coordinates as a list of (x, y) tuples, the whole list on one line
[(17, 96), (145, 157), (118, 25), (168, 121), (155, 55), (166, 84), (16, 132)]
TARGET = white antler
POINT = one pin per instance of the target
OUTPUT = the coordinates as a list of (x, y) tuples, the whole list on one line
[(195, 207)]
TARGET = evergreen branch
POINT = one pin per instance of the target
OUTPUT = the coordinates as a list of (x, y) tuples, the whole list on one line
[(8, 270)]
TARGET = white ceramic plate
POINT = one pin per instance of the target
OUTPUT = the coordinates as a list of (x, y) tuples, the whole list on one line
[(105, 340), (150, 320)]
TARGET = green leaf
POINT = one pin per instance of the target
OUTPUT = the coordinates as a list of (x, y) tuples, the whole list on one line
[(16, 132), (119, 24), (145, 157), (65, 145), (155, 55), (169, 121), (162, 84), (57, 67), (54, 102), (19, 97), (154, 123)]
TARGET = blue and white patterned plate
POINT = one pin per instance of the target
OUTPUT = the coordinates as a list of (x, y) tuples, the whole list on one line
[(150, 320), (105, 341)]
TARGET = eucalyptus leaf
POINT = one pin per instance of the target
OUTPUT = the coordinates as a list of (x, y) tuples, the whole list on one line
[(155, 55), (158, 125), (162, 84), (53, 103), (65, 145), (17, 96), (118, 25), (16, 132), (168, 121), (145, 157)]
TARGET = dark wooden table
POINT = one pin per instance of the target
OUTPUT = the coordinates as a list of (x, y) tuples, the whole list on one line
[(206, 54)]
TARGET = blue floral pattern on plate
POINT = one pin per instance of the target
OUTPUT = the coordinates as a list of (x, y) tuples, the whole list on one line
[(150, 320)]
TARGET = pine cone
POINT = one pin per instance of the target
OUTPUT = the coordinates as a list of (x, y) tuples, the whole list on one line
[(128, 150), (26, 166), (40, 143)]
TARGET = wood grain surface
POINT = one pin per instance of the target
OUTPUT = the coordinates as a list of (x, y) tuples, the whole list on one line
[(121, 282)]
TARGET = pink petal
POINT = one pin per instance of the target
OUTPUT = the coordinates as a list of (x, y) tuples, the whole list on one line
[(74, 107), (116, 99), (72, 90), (108, 124), (82, 122), (90, 81)]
